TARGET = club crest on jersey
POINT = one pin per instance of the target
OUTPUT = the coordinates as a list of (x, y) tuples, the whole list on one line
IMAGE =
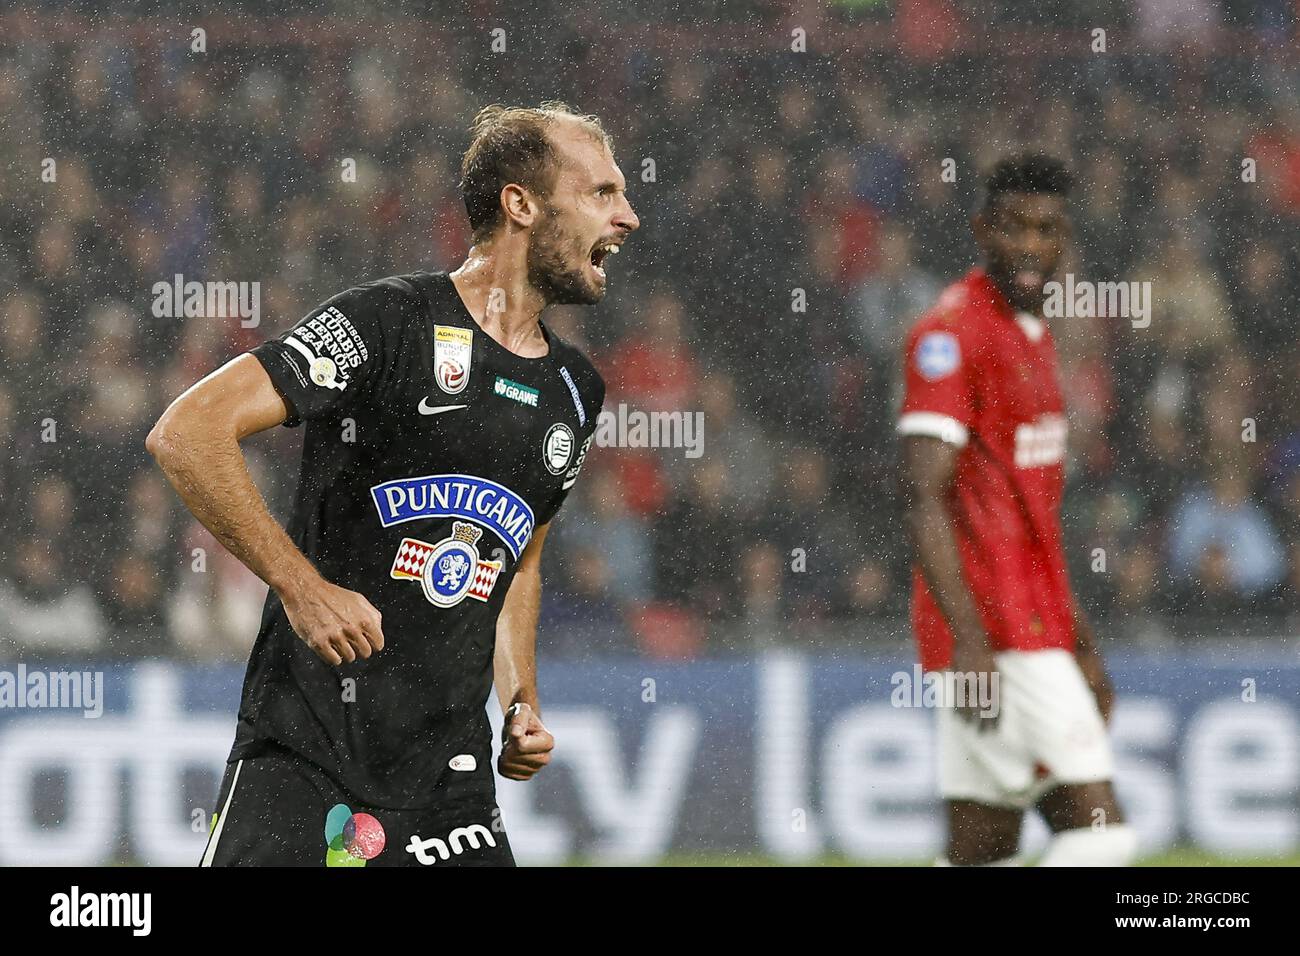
[(937, 355), (450, 570), (557, 448), (452, 348)]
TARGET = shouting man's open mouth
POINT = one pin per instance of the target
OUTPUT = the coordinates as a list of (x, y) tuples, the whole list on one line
[(599, 253)]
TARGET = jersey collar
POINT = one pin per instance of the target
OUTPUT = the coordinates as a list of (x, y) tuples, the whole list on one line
[(1031, 325)]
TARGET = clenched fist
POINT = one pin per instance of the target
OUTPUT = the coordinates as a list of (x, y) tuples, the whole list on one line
[(525, 744), (338, 624)]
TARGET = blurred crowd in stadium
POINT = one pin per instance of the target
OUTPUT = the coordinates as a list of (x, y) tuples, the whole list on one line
[(756, 174)]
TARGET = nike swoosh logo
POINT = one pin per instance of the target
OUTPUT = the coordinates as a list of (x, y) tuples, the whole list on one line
[(427, 409)]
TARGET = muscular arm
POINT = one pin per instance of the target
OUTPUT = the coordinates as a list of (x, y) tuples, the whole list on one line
[(196, 444), (514, 666), (928, 468), (515, 661)]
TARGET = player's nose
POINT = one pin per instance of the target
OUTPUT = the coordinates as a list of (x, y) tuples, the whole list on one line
[(1035, 245), (626, 219)]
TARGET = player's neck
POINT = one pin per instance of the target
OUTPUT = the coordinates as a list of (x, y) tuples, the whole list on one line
[(498, 296)]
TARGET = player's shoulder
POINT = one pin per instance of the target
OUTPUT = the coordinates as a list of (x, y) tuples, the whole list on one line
[(959, 329), (960, 311), (573, 358), (577, 366), (407, 291), (953, 333), (386, 303)]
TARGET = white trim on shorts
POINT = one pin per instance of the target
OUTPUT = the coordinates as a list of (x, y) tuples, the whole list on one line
[(211, 851)]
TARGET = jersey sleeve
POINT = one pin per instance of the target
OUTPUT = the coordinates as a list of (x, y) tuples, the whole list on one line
[(592, 406), (938, 398), (339, 353)]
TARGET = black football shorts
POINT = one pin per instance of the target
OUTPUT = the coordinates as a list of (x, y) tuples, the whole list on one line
[(276, 809)]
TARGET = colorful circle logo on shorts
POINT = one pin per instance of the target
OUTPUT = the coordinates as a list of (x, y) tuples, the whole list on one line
[(351, 838)]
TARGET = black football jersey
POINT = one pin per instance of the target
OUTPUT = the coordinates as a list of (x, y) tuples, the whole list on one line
[(431, 456)]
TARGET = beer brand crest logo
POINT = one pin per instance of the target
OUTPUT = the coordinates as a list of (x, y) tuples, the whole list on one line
[(450, 570)]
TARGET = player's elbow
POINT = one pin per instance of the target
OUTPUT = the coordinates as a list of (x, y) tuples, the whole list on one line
[(912, 521), (922, 490), (912, 492), (527, 583), (921, 507), (164, 437), (155, 443)]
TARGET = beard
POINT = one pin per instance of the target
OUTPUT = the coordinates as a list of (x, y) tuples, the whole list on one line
[(549, 269), (1020, 298), (1024, 301)]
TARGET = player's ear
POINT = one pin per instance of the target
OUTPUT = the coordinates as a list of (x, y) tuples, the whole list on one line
[(519, 205)]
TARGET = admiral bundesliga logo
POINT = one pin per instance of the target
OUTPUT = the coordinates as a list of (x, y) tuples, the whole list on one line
[(452, 348), (450, 570)]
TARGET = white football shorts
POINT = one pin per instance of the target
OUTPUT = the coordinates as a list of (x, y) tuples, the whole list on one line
[(1049, 732)]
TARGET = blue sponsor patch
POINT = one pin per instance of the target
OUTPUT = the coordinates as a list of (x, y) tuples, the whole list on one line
[(937, 355), (457, 496)]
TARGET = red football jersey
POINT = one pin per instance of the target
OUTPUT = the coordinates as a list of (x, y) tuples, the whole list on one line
[(984, 378)]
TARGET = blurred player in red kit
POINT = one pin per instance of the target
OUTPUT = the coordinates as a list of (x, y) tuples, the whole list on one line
[(983, 446)]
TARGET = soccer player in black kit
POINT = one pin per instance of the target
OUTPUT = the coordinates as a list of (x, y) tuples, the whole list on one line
[(445, 426)]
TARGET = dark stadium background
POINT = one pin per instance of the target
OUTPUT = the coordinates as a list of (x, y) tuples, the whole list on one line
[(774, 171)]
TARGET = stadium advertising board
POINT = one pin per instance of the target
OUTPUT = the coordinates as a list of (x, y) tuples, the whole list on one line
[(780, 757)]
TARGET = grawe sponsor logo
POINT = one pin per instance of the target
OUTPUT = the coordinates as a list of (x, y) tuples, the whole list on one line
[(513, 390), (74, 909), (209, 300), (430, 851)]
